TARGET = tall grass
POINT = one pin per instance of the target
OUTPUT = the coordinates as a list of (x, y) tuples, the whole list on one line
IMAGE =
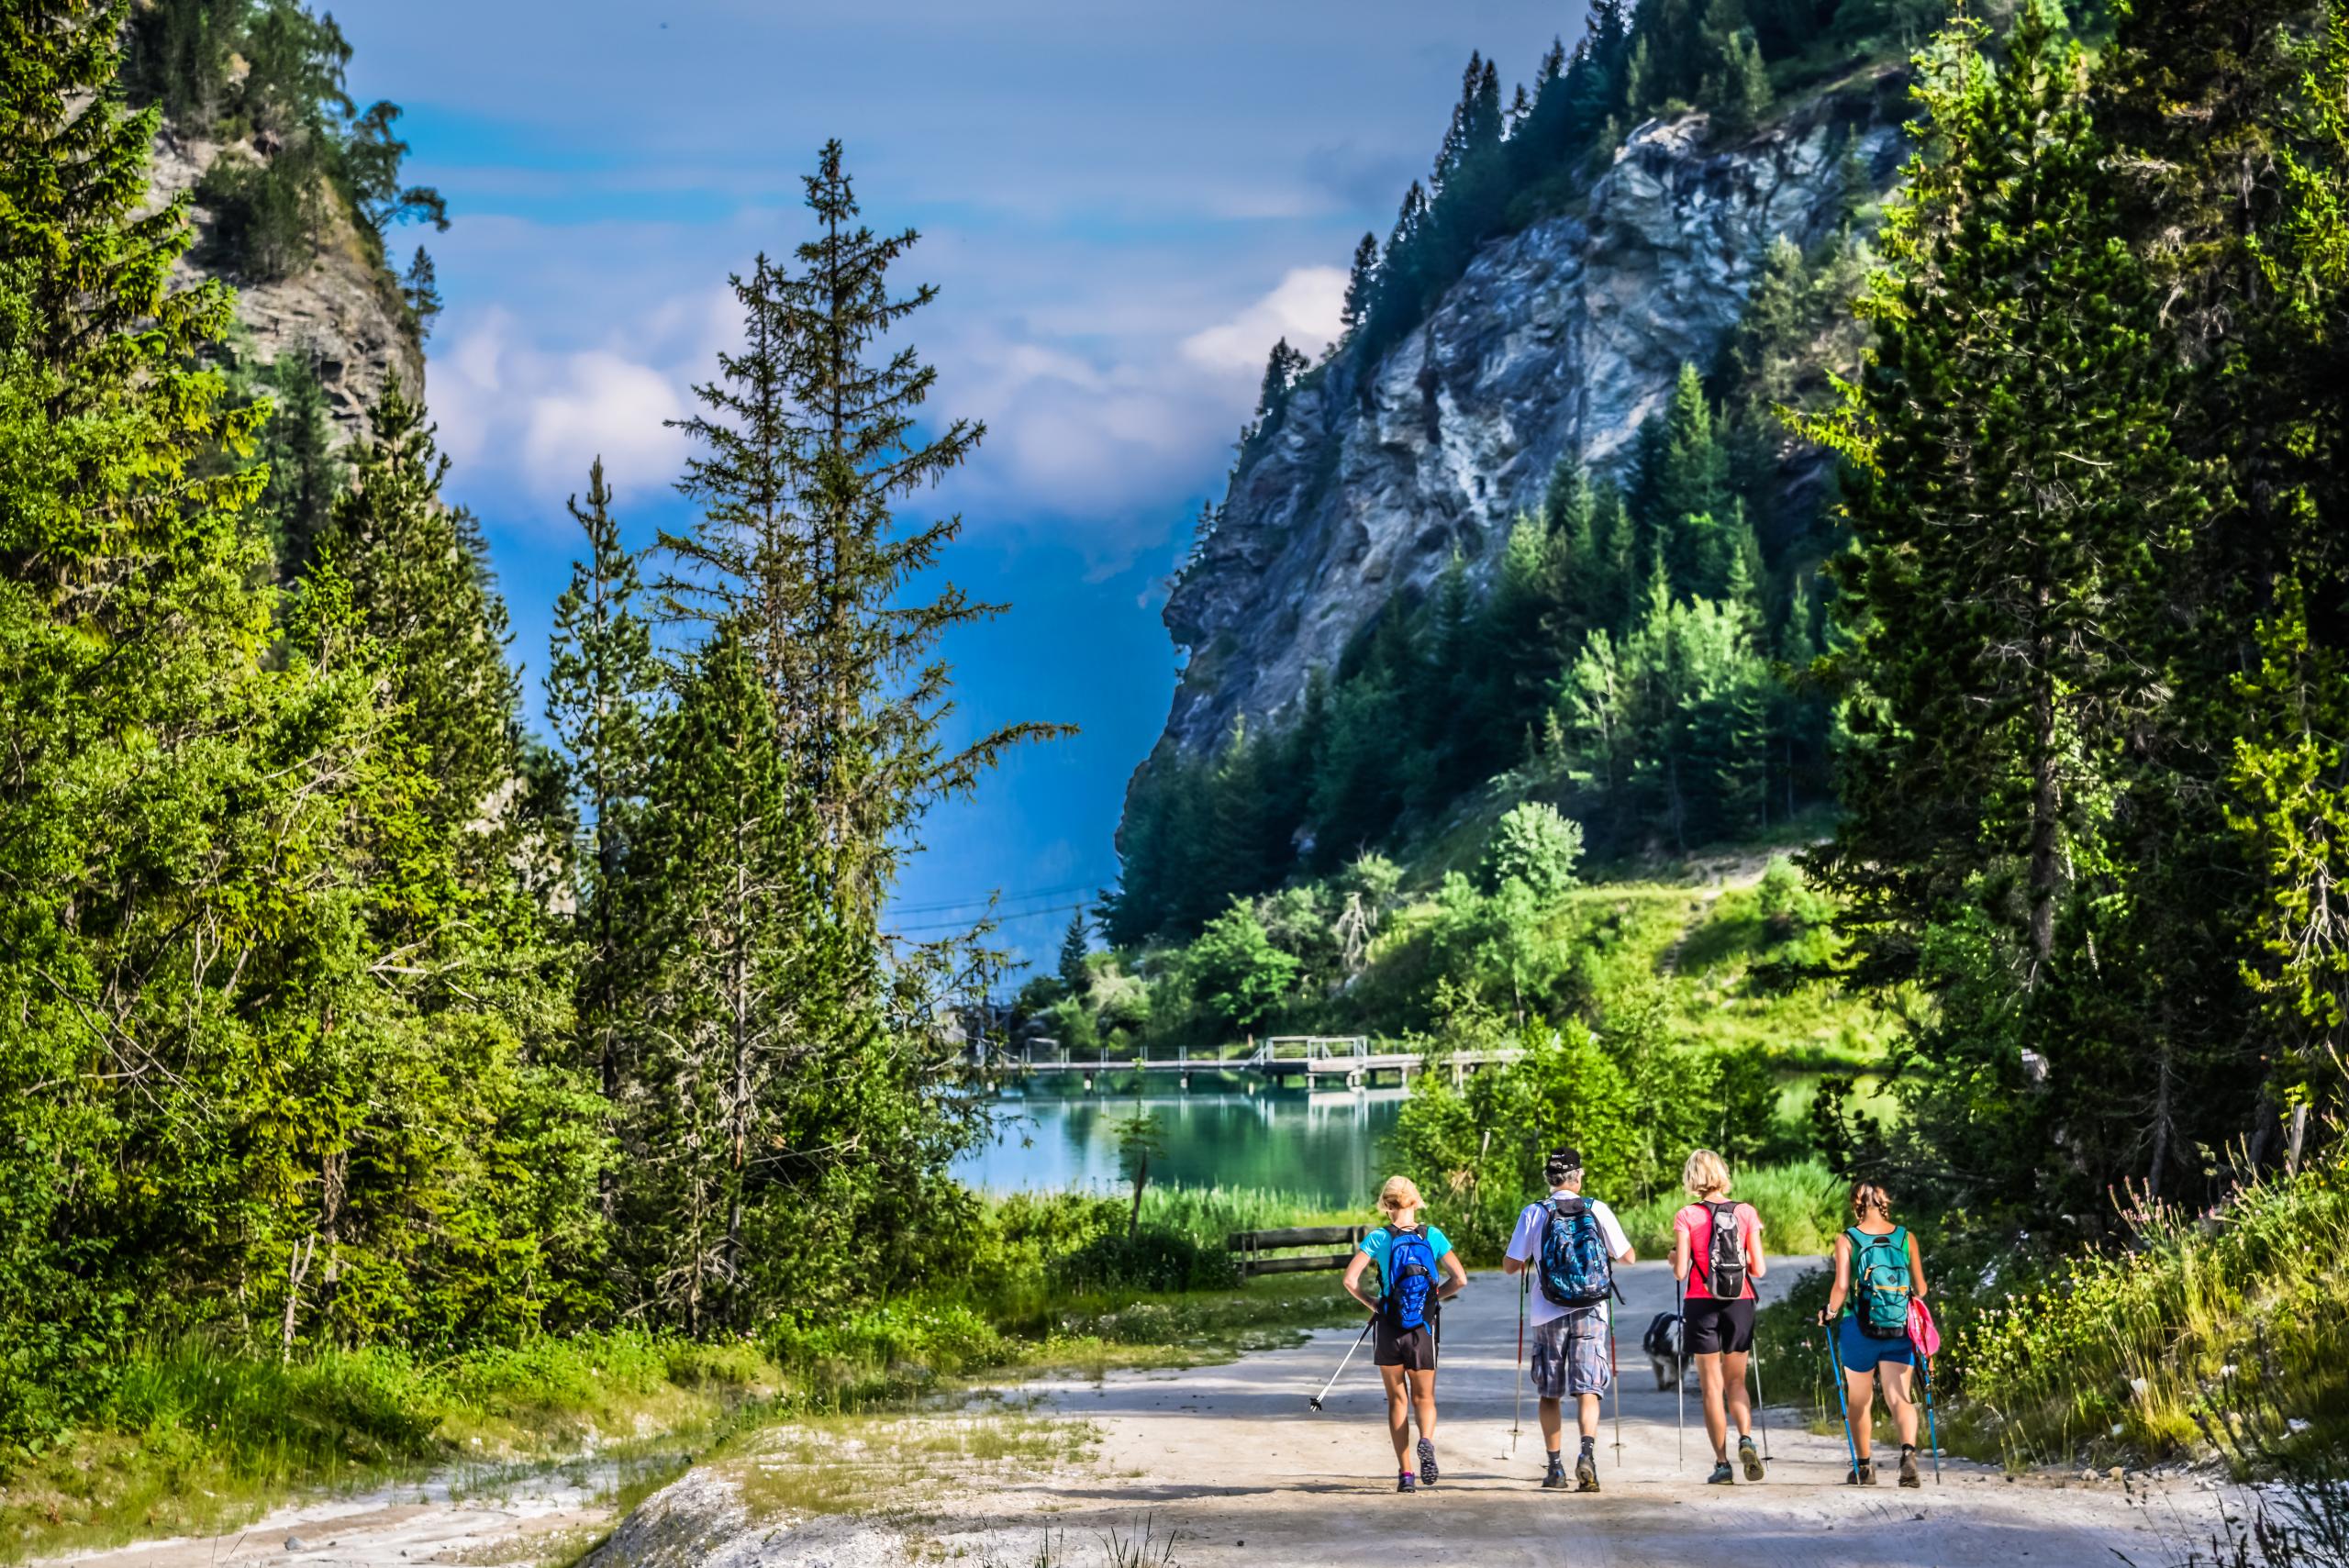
[(1210, 1215), (2227, 1332), (1802, 1208)]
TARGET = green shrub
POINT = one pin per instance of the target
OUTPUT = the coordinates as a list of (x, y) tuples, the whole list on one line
[(1153, 1258)]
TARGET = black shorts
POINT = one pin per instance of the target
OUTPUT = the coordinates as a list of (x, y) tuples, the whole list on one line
[(1717, 1326), (1411, 1348)]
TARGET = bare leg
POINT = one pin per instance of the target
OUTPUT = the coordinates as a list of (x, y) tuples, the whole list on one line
[(1586, 1413), (1897, 1394), (1708, 1378), (1554, 1425), (1424, 1397), (1860, 1389), (1398, 1414), (1738, 1391)]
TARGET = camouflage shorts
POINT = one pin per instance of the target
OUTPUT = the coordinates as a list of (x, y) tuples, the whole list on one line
[(1570, 1354)]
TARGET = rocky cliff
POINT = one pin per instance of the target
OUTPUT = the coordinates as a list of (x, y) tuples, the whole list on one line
[(1560, 340), (343, 309)]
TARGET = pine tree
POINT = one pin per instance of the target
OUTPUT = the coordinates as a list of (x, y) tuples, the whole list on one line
[(734, 1002), (1075, 945), (602, 683), (2014, 496), (418, 575), (1282, 368), (810, 443), (305, 473), (420, 294), (1361, 281), (1687, 490)]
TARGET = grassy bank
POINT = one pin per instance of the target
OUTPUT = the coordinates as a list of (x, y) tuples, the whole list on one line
[(199, 1435), (2197, 1337)]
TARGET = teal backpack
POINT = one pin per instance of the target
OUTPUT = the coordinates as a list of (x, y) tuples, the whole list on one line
[(1880, 1284)]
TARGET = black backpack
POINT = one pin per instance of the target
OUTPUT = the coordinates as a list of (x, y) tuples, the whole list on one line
[(1725, 1254)]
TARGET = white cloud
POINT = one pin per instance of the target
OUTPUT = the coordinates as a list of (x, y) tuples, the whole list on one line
[(1303, 308), (538, 417)]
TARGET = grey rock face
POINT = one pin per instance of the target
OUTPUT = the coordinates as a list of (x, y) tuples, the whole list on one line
[(1560, 340), (342, 310)]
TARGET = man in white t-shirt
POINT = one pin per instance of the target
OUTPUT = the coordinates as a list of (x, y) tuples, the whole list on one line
[(1570, 1344)]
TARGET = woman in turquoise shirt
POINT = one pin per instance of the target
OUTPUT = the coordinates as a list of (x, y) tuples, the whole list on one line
[(1404, 1344)]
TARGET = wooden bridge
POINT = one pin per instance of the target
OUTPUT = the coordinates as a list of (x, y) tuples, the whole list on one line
[(1349, 1062)]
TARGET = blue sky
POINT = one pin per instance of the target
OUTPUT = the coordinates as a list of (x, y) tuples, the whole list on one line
[(1123, 207)]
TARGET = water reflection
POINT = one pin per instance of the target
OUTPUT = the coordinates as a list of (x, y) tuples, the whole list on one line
[(1227, 1131)]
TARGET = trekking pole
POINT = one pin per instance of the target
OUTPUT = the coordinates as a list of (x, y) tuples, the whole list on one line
[(1680, 1369), (1315, 1403), (1835, 1372), (1931, 1436), (1517, 1398), (1615, 1384)]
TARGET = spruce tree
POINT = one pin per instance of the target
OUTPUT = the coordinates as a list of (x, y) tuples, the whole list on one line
[(1361, 279), (306, 472), (2013, 493), (1075, 947), (418, 574), (602, 685)]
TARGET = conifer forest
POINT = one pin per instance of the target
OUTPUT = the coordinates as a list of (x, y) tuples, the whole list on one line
[(1988, 583)]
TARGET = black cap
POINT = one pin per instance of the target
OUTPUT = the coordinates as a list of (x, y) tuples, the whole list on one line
[(1564, 1161)]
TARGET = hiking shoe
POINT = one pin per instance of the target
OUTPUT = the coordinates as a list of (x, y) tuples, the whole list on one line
[(1908, 1476), (1426, 1463), (1585, 1472), (1751, 1460), (1722, 1475), (1863, 1475), (1554, 1478), (1407, 1482)]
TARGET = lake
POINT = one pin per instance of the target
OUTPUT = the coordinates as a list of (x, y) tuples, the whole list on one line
[(1229, 1131)]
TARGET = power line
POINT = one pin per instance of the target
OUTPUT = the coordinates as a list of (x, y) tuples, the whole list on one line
[(998, 919), (1001, 898)]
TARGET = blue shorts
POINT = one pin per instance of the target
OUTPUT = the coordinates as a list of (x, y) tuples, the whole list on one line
[(1858, 1352)]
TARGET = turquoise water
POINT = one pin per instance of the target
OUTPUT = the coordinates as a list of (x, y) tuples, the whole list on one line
[(1230, 1131)]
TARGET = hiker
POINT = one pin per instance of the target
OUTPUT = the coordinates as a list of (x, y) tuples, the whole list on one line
[(1570, 1244), (1409, 1255), (1716, 1256), (1878, 1271)]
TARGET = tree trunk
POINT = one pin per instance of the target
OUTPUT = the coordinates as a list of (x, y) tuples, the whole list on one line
[(1142, 1180)]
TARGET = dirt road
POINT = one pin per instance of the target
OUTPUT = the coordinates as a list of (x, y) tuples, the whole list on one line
[(1230, 1455)]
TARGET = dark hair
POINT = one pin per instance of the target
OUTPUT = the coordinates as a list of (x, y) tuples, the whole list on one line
[(1564, 1161)]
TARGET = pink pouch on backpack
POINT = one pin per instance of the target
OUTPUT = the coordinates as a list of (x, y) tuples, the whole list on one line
[(1922, 1332)]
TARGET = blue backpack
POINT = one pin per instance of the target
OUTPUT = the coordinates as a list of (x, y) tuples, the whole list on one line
[(1408, 1278), (1575, 1268)]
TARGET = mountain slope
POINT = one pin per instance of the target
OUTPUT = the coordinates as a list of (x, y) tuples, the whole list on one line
[(1560, 343)]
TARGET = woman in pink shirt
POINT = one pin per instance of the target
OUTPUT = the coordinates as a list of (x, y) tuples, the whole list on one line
[(1717, 1314)]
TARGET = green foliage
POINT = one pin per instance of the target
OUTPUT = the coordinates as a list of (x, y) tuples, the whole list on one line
[(2081, 665), (1627, 660), (299, 148), (1533, 845), (2148, 1350), (1150, 1256), (1237, 973)]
